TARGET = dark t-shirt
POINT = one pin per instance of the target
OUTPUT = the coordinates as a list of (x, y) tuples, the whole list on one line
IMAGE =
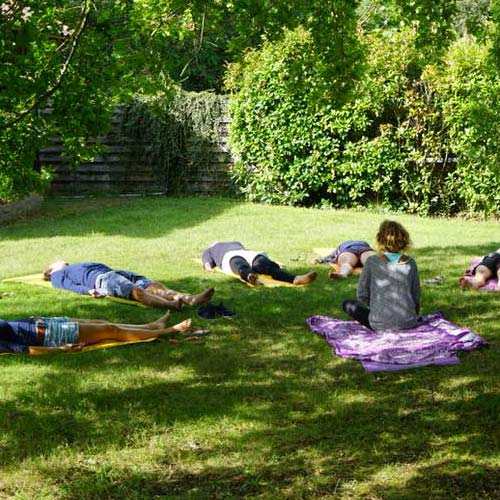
[(214, 254)]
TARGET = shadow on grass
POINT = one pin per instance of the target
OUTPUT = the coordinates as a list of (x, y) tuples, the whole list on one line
[(150, 217), (317, 434), (300, 422)]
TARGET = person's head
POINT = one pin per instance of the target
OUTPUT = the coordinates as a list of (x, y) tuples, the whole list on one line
[(55, 266), (392, 237)]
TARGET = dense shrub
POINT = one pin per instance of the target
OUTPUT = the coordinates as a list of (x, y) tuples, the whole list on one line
[(414, 137), (279, 133), (467, 88)]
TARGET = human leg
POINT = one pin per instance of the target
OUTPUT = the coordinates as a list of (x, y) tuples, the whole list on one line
[(346, 261), (152, 300), (93, 333), (242, 268), (159, 289), (158, 324), (264, 265), (364, 256), (481, 275), (358, 311)]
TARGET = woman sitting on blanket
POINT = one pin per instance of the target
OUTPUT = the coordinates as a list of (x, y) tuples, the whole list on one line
[(488, 267), (347, 256), (389, 287), (38, 335), (233, 258)]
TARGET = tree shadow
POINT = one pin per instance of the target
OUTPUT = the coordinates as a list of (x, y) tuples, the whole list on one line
[(145, 217), (322, 424)]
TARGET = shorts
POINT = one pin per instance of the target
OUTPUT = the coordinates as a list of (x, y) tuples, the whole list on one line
[(57, 331), (355, 247), (120, 283), (491, 261)]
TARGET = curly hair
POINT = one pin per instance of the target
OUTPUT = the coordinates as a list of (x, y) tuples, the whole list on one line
[(392, 237)]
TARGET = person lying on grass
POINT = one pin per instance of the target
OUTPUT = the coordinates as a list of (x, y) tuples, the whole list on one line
[(99, 280), (389, 286), (348, 255), (37, 335), (233, 258), (488, 267)]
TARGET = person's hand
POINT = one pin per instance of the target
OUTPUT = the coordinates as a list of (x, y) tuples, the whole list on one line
[(208, 267), (94, 293), (72, 347)]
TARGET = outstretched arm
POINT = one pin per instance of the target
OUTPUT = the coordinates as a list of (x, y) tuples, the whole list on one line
[(327, 259), (207, 260)]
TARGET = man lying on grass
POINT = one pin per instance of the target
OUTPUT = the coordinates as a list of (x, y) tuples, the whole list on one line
[(38, 335), (99, 280)]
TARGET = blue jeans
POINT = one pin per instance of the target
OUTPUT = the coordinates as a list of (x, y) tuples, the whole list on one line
[(120, 283)]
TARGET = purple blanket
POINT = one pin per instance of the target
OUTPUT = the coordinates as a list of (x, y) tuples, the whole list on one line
[(434, 341), (491, 284)]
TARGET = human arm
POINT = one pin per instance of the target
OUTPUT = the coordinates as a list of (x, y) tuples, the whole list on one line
[(207, 260), (12, 348), (327, 259), (415, 286), (64, 282), (364, 283)]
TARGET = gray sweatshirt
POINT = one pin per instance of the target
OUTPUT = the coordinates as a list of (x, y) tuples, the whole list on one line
[(391, 291)]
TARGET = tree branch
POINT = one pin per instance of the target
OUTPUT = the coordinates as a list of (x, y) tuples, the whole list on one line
[(50, 91)]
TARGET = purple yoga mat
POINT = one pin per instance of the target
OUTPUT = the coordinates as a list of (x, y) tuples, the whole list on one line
[(434, 341)]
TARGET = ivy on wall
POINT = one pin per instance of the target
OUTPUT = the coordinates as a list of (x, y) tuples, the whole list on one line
[(177, 132)]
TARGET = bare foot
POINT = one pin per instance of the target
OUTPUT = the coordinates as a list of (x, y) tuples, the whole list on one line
[(305, 279), (253, 279), (160, 323), (334, 275), (183, 326), (201, 298), (464, 284), (175, 304)]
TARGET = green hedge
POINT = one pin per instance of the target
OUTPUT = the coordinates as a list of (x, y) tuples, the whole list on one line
[(414, 137)]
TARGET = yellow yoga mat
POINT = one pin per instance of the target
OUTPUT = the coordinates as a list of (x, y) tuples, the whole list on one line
[(322, 252), (37, 280), (102, 345), (265, 279)]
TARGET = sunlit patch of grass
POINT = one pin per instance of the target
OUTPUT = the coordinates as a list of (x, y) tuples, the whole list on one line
[(261, 409)]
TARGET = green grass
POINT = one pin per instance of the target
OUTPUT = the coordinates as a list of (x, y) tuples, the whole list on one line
[(262, 409)]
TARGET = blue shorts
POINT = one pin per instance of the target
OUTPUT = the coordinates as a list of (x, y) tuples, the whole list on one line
[(120, 283), (355, 247), (57, 331)]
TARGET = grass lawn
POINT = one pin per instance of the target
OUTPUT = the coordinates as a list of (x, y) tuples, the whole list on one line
[(261, 409)]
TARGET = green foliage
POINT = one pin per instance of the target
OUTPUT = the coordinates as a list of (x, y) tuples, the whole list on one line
[(280, 94), (468, 89), (262, 409), (411, 136), (178, 131), (62, 67)]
